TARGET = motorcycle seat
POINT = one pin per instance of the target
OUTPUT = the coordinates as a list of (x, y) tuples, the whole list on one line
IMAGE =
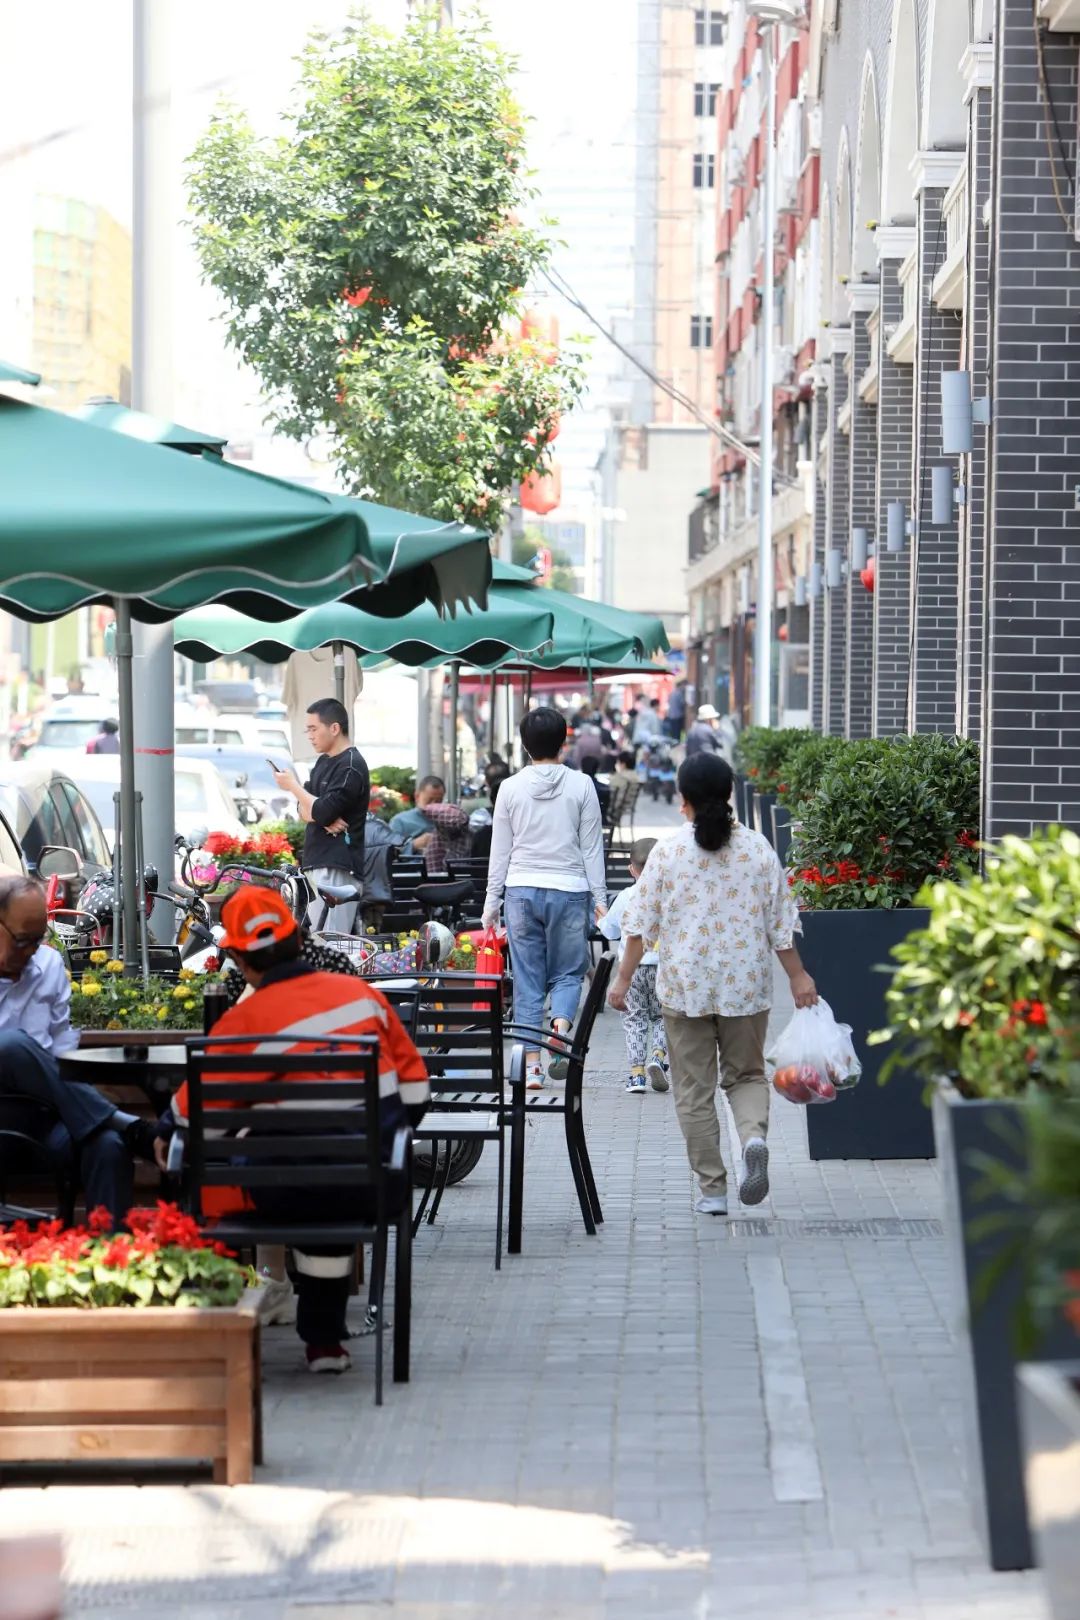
[(339, 894)]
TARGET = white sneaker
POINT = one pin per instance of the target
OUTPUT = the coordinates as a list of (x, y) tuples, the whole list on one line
[(755, 1182), (711, 1206), (534, 1080), (277, 1303), (656, 1069)]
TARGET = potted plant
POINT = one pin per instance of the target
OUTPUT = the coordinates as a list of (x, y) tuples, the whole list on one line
[(137, 1345), (884, 816), (106, 1006), (759, 758), (1049, 1391), (980, 1008)]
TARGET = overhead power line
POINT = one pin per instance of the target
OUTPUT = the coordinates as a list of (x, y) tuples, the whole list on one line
[(560, 285)]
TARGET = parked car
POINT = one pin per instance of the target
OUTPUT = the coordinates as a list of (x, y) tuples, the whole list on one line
[(229, 695), (247, 774), (70, 724), (235, 731), (43, 806), (202, 797)]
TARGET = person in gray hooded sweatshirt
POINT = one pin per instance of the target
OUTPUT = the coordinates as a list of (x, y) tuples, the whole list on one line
[(547, 853)]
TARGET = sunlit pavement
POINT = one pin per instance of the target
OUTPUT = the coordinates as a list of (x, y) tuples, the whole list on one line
[(681, 1416)]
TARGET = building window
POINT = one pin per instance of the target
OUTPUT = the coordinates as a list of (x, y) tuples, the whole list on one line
[(705, 100), (701, 331), (708, 27), (704, 171)]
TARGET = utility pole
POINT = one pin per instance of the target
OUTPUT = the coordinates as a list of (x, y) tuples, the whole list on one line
[(152, 390), (763, 622)]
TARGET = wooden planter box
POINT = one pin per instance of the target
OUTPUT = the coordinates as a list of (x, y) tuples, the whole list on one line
[(1050, 1421), (967, 1127), (127, 1385), (844, 952)]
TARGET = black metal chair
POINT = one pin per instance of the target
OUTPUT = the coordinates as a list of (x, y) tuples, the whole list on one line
[(314, 1125), (568, 1104), (456, 1022), (24, 1124)]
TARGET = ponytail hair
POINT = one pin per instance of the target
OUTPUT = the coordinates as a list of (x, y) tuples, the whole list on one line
[(705, 782)]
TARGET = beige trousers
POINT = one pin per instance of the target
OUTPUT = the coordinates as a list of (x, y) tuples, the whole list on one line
[(694, 1046)]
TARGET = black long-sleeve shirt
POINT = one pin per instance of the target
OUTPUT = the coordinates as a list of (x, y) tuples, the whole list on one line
[(342, 789)]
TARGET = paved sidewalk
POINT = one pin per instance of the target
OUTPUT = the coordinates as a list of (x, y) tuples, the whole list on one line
[(679, 1417)]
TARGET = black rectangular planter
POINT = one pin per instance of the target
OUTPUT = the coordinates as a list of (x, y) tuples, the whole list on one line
[(1050, 1429), (985, 1329), (763, 803), (842, 951), (781, 831)]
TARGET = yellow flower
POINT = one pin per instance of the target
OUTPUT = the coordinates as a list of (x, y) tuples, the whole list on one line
[(90, 989), (99, 956), (75, 988), (188, 973), (163, 1013), (114, 1023), (467, 948), (180, 992), (369, 930), (188, 1006), (114, 967)]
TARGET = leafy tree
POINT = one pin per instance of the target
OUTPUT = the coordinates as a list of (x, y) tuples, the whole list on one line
[(371, 261)]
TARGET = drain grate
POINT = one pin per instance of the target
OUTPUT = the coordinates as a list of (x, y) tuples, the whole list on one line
[(890, 1226)]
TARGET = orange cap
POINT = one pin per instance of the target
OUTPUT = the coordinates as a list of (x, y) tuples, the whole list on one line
[(255, 917)]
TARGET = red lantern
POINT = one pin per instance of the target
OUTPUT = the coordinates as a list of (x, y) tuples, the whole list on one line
[(868, 575), (782, 633), (542, 492)]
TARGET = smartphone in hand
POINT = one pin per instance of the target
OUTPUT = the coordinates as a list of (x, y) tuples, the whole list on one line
[(273, 767)]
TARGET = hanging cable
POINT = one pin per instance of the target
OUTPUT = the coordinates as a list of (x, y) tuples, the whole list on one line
[(563, 288), (1050, 113)]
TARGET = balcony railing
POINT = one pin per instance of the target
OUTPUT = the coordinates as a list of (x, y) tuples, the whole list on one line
[(901, 344), (948, 289)]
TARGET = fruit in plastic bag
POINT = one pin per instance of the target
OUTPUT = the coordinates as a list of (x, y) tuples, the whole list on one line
[(814, 1057)]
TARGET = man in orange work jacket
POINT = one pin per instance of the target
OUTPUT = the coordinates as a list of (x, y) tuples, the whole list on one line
[(288, 997)]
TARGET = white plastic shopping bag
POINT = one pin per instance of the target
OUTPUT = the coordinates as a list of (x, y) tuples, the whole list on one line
[(814, 1057)]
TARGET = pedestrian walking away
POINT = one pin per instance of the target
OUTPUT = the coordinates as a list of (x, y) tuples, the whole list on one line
[(716, 898), (333, 804), (643, 1020), (547, 853)]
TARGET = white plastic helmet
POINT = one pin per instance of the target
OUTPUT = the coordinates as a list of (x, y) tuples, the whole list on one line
[(436, 943)]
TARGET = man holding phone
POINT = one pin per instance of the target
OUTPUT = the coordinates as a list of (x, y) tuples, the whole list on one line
[(333, 803)]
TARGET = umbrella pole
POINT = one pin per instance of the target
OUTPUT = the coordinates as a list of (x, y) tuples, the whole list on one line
[(493, 702), (129, 877), (528, 688), (455, 673), (339, 672)]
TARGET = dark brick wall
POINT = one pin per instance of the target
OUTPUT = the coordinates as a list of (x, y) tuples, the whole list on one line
[(1031, 720), (817, 606), (892, 590), (836, 650), (935, 664), (977, 361), (862, 495)]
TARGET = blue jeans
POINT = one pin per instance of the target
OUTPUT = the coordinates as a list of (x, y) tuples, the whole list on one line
[(548, 930)]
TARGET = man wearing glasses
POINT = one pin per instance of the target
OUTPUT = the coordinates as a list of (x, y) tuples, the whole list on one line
[(71, 1120)]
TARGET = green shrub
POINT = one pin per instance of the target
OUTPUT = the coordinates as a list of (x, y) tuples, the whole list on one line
[(804, 763), (885, 816), (761, 752), (986, 991), (400, 778)]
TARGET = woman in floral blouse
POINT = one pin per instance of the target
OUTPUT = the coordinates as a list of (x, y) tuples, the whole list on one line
[(715, 898)]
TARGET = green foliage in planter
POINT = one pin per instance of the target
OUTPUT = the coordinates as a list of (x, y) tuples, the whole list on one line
[(401, 778), (163, 1260), (886, 815), (103, 999), (386, 804), (288, 828), (761, 752), (984, 992), (804, 765)]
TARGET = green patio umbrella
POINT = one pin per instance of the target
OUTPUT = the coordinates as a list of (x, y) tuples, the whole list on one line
[(587, 633), (10, 373), (481, 638), (417, 559)]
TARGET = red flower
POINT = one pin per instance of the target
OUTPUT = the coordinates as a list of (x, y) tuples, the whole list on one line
[(219, 843), (944, 864), (1021, 1007), (1037, 1013), (99, 1221), (967, 839), (965, 1019)]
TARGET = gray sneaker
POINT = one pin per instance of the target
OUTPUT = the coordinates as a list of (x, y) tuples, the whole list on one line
[(656, 1069), (755, 1182), (716, 1205)]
